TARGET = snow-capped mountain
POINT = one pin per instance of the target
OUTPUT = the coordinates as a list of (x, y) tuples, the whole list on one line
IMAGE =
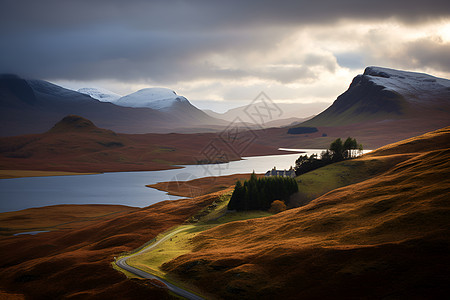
[(155, 98), (34, 106), (382, 94), (411, 85), (100, 94)]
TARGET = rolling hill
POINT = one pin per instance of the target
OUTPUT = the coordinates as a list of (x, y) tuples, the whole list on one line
[(75, 144), (384, 237), (74, 262)]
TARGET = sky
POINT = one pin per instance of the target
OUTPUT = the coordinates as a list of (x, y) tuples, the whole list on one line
[(222, 54)]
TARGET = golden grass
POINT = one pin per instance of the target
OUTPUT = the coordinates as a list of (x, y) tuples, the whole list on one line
[(320, 181), (389, 232), (179, 240)]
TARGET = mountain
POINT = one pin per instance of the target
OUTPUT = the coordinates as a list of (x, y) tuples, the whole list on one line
[(385, 237), (156, 98), (100, 94), (34, 106), (287, 113), (168, 101), (380, 107), (382, 94)]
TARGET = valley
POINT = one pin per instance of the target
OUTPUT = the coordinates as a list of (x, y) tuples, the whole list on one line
[(349, 230), (224, 150), (374, 225)]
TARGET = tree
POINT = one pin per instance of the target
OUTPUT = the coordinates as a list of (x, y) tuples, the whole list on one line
[(277, 206), (337, 149), (348, 147), (259, 193), (237, 198), (360, 149)]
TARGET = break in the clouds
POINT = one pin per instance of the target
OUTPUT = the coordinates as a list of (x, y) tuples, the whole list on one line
[(222, 50)]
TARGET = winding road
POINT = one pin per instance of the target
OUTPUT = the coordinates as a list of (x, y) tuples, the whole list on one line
[(122, 263)]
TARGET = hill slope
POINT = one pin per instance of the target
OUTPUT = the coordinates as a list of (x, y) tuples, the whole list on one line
[(385, 237), (44, 266)]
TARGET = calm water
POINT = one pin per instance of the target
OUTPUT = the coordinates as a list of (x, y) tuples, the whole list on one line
[(124, 188)]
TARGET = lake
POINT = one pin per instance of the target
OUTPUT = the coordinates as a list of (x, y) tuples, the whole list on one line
[(124, 188)]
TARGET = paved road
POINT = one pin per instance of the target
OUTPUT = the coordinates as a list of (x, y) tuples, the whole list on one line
[(177, 290)]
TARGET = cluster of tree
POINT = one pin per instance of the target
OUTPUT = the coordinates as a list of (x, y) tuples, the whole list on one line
[(302, 130), (259, 193), (337, 151)]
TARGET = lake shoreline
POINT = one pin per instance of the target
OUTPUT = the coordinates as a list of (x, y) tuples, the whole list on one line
[(12, 174), (22, 173), (199, 186), (127, 188)]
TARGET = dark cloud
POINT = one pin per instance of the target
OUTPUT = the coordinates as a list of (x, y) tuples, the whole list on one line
[(169, 41), (198, 14), (427, 52)]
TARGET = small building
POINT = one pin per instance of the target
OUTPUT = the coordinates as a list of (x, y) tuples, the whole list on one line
[(282, 173)]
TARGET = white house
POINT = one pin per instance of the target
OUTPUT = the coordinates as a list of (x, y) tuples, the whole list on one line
[(283, 173)]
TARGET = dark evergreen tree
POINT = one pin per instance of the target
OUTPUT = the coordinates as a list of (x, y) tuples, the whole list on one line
[(337, 149), (237, 197), (259, 193)]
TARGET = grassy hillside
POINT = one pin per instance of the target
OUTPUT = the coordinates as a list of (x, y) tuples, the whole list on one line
[(320, 181), (384, 237), (75, 261)]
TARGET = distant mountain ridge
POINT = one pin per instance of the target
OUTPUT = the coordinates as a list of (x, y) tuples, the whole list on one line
[(289, 112), (34, 106)]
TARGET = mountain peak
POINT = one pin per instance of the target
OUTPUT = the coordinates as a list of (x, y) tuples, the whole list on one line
[(73, 123), (386, 94), (155, 98)]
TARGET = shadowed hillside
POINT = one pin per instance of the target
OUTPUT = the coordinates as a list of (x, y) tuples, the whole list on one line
[(385, 237)]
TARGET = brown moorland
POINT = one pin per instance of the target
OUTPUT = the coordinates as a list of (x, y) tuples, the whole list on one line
[(385, 237), (57, 217), (77, 145), (200, 186), (76, 263)]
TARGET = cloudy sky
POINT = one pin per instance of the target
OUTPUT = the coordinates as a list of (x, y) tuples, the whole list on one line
[(222, 53)]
